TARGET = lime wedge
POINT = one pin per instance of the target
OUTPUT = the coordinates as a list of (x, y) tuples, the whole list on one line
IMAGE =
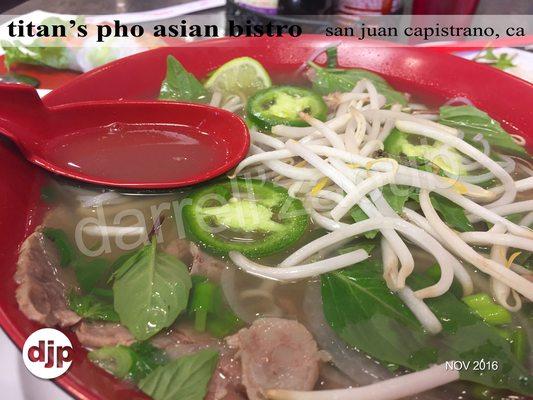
[(241, 76)]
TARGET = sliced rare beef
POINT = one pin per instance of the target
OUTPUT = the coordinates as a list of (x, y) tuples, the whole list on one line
[(181, 249), (206, 265), (42, 290), (276, 354), (199, 262), (103, 334)]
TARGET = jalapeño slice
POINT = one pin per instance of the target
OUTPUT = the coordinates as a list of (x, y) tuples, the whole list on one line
[(281, 105), (249, 216)]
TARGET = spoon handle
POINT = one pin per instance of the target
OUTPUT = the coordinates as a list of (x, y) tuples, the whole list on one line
[(23, 116)]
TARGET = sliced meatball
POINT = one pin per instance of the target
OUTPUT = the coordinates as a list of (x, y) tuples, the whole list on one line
[(103, 334), (226, 382), (42, 290), (276, 354)]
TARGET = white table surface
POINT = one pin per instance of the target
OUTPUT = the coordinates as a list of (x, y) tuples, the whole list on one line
[(16, 383)]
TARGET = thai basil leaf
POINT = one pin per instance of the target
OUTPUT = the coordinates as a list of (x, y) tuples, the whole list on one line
[(359, 215), (451, 213), (148, 359), (330, 80), (185, 378), (90, 307), (466, 337), (102, 292), (502, 61), (365, 314), (121, 261), (362, 310), (367, 245), (90, 272), (433, 274), (331, 55), (150, 290), (393, 144), (395, 195), (180, 85), (472, 121), (67, 252)]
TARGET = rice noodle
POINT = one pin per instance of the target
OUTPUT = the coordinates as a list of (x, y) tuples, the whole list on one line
[(110, 197), (108, 231), (392, 389)]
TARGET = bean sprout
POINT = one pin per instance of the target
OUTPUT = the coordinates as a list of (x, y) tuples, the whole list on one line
[(421, 311), (298, 271), (399, 387), (500, 290), (459, 247), (436, 133)]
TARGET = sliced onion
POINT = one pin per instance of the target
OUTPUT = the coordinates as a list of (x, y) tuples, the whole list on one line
[(355, 364)]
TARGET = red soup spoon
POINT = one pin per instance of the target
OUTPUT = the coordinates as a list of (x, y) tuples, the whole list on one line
[(130, 144)]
